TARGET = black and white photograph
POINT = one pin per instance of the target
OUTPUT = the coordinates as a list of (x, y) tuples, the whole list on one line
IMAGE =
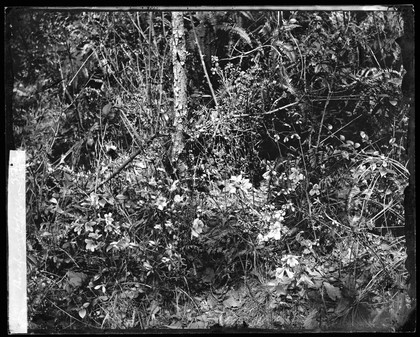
[(210, 169)]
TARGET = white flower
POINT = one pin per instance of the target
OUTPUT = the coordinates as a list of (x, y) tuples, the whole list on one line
[(161, 203)]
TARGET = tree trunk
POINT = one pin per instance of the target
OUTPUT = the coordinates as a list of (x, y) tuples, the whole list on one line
[(180, 85), (406, 43)]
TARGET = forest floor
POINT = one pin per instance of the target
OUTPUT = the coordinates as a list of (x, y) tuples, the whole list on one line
[(249, 305)]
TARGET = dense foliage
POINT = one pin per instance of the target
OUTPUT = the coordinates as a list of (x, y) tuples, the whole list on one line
[(292, 181)]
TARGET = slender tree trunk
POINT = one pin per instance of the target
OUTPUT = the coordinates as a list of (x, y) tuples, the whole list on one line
[(180, 85), (149, 67), (406, 43)]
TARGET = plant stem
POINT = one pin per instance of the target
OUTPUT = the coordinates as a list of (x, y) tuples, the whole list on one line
[(203, 63)]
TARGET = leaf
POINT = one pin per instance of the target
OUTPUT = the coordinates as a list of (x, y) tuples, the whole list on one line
[(178, 199), (291, 55), (292, 261), (208, 276), (385, 247), (154, 308), (175, 325), (53, 201), (281, 289), (197, 325), (197, 228), (238, 30), (194, 233), (343, 307), (89, 226), (93, 199), (305, 280), (147, 265), (231, 302), (243, 34), (248, 15), (313, 272), (345, 154), (121, 197), (383, 171), (82, 313), (95, 235), (76, 279), (311, 320), (333, 292), (99, 286), (90, 245), (284, 275), (106, 109)]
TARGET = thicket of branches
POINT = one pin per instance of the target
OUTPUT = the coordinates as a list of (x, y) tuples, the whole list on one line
[(293, 167)]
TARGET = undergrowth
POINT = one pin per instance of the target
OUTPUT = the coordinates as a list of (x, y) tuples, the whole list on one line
[(287, 210)]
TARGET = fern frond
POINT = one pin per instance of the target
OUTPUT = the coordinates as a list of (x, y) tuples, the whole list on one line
[(238, 30)]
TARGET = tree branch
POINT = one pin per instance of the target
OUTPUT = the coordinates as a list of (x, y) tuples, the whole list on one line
[(129, 160)]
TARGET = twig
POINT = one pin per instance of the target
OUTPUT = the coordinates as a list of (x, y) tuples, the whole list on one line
[(281, 108), (192, 300), (63, 157), (129, 126), (331, 135), (243, 54), (318, 142), (202, 62), (80, 68), (78, 320), (118, 170), (70, 257), (130, 159), (271, 111)]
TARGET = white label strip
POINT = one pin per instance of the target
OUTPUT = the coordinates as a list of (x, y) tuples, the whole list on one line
[(16, 226)]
